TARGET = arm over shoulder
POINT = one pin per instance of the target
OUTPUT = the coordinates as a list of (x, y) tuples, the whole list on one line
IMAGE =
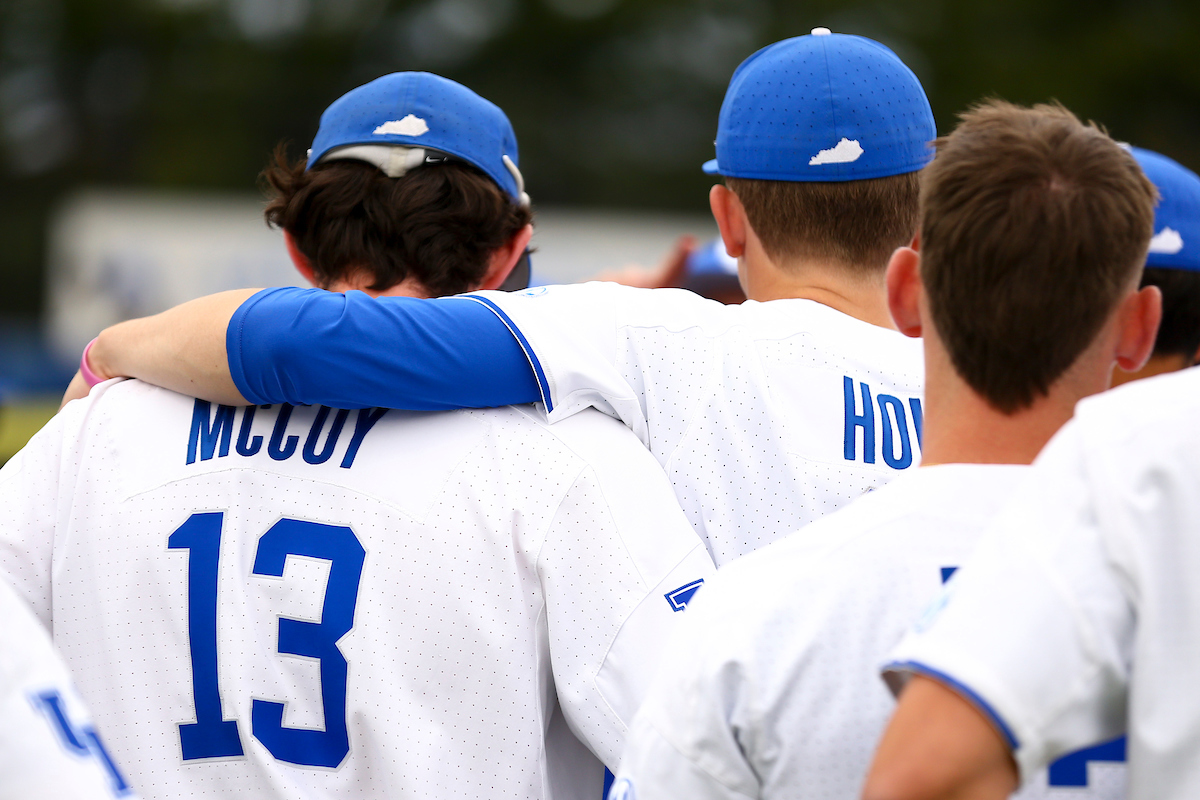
[(353, 351), (618, 565)]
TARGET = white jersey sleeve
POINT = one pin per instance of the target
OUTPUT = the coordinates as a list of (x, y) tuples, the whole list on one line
[(49, 749), (685, 741), (35, 488), (577, 340), (602, 631), (1038, 629)]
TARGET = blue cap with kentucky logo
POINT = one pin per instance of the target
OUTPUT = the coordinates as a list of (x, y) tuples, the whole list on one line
[(1176, 242), (407, 119), (823, 107)]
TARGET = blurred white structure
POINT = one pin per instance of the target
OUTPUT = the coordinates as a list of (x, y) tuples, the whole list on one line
[(114, 255)]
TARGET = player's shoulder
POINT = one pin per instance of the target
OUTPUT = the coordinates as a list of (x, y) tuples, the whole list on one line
[(109, 406), (786, 573), (118, 396), (879, 552), (1144, 428), (906, 519), (588, 436), (620, 305), (1129, 412)]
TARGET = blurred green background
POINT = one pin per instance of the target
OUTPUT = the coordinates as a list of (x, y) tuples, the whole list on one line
[(614, 101)]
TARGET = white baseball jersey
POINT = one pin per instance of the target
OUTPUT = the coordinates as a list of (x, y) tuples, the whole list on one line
[(1078, 618), (765, 416), (771, 688), (285, 602), (49, 749)]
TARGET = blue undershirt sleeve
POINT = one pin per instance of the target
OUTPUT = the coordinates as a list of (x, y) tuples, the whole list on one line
[(309, 346)]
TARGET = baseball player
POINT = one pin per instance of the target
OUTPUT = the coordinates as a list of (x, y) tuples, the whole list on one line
[(283, 601), (1102, 635), (1173, 265), (765, 416), (49, 747), (771, 687)]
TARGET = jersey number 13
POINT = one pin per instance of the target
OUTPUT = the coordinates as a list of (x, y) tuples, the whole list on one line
[(212, 736)]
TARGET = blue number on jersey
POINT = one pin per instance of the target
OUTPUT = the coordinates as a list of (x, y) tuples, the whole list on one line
[(1071, 769), (82, 743), (341, 548), (211, 736)]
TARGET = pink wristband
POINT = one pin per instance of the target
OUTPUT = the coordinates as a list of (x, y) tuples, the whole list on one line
[(89, 377)]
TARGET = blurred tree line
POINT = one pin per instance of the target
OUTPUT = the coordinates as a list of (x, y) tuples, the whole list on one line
[(614, 101)]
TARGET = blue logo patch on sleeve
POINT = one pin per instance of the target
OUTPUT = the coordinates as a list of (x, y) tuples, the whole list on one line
[(679, 598)]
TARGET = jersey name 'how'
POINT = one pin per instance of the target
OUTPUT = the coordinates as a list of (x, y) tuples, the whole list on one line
[(880, 424), (213, 434)]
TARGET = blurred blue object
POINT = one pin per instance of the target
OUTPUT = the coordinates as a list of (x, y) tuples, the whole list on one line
[(27, 366), (712, 273), (711, 259)]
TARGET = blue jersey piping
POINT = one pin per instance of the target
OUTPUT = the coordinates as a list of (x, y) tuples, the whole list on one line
[(539, 374)]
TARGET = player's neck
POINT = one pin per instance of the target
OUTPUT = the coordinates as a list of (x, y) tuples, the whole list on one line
[(864, 298), (963, 428)]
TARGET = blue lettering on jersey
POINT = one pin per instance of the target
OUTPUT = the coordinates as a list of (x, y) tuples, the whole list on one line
[(311, 455), (83, 743), (947, 572), (367, 417), (885, 413), (211, 434), (276, 448), (855, 420), (245, 445), (679, 598), (204, 434)]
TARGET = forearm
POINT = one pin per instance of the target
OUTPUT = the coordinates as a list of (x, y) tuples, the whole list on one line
[(938, 746), (182, 349)]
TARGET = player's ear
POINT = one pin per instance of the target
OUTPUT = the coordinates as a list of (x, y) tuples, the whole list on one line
[(1138, 317), (731, 220), (904, 291), (299, 260), (505, 258)]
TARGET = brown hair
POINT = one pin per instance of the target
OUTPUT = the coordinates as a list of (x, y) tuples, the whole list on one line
[(1033, 226), (857, 224), (439, 224)]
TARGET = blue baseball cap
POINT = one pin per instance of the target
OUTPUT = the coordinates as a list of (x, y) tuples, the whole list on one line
[(1176, 242), (823, 107), (392, 121)]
